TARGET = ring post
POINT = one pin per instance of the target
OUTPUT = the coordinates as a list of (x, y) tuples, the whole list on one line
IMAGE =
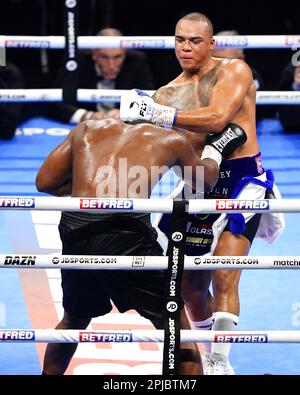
[(176, 246)]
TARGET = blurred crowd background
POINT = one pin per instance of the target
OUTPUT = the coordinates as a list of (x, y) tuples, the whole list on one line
[(155, 17)]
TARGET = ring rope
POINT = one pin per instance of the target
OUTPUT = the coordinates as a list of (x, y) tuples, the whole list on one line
[(110, 205), (141, 336), (119, 262), (114, 95), (148, 42)]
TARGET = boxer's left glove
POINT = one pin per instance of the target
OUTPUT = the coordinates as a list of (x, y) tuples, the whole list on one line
[(136, 107), (219, 146)]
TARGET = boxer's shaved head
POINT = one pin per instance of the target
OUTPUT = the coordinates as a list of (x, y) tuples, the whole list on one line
[(197, 16)]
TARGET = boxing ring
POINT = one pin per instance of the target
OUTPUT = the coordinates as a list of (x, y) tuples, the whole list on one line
[(13, 257), (33, 261)]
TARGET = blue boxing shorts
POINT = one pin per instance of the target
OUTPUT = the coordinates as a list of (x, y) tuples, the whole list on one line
[(199, 231)]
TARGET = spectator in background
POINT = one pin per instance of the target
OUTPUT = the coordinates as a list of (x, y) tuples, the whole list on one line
[(10, 113), (236, 53), (289, 115), (105, 68)]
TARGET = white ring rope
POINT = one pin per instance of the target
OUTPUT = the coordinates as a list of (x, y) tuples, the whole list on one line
[(141, 336), (196, 206), (118, 262), (114, 95), (148, 42)]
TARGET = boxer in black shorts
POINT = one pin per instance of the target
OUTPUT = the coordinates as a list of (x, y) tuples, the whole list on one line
[(87, 293), (109, 159)]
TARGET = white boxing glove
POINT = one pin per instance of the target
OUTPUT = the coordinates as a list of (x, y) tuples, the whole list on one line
[(137, 106)]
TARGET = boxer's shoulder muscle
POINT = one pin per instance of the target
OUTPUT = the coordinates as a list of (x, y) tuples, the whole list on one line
[(180, 95)]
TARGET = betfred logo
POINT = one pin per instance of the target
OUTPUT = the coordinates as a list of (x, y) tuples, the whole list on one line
[(242, 205), (160, 43), (105, 337), (17, 202), (15, 335), (106, 204), (260, 338), (231, 41), (292, 41), (27, 44)]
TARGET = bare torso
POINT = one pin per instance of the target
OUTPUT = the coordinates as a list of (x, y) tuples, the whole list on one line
[(188, 93), (111, 159)]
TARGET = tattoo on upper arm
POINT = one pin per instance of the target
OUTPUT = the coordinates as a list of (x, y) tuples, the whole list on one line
[(207, 84), (154, 96)]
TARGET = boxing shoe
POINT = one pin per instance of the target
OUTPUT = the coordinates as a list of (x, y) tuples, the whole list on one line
[(217, 365), (224, 143)]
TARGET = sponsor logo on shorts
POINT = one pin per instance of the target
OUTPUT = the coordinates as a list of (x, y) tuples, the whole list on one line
[(105, 337), (202, 229), (242, 205), (27, 44), (160, 43), (106, 204), (138, 261), (15, 335), (247, 338), (17, 202), (20, 260), (259, 165)]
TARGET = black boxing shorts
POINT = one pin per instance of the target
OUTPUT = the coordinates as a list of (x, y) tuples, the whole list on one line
[(88, 293)]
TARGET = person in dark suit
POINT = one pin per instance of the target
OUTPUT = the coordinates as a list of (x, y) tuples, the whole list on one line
[(238, 53), (289, 115), (105, 68)]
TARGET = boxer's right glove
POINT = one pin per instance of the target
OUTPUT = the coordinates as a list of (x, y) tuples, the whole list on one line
[(136, 107), (219, 146)]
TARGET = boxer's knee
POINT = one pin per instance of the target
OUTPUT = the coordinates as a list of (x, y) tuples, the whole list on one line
[(226, 281), (193, 281), (70, 322)]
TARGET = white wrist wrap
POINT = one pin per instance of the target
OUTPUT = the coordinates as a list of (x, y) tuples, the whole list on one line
[(163, 115), (211, 153)]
